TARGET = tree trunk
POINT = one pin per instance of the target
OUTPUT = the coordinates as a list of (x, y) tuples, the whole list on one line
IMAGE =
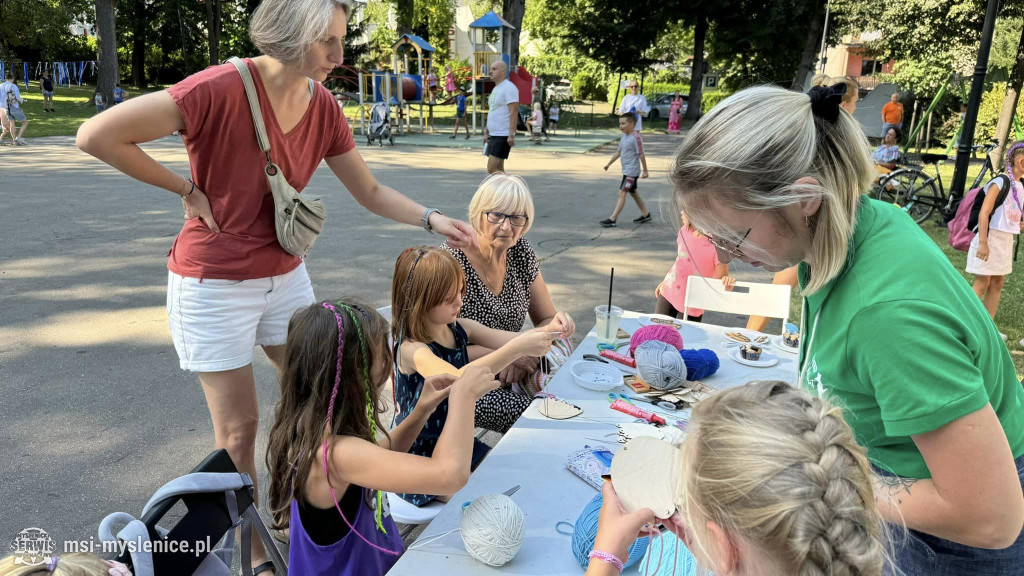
[(403, 13), (213, 30), (615, 102), (811, 44), (1013, 88), (106, 49), (139, 44), (700, 30), (512, 11)]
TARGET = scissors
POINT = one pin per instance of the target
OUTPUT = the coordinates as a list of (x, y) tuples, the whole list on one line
[(613, 396), (664, 404)]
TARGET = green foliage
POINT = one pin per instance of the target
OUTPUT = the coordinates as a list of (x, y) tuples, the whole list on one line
[(38, 29), (431, 20), (710, 99), (988, 113), (383, 35), (589, 86)]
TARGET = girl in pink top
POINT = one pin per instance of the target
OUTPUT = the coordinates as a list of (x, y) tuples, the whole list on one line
[(696, 256)]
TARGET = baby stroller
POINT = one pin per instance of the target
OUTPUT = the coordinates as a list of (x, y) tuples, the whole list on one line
[(380, 125), (218, 499)]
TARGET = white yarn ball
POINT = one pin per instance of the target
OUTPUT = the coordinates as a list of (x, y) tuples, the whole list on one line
[(660, 365), (492, 529)]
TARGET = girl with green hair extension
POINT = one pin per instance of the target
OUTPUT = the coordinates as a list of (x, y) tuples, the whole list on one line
[(337, 361)]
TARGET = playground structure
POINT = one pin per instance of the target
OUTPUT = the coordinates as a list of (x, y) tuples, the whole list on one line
[(400, 88), (404, 90)]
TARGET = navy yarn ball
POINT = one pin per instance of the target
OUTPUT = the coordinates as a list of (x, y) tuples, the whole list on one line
[(699, 363)]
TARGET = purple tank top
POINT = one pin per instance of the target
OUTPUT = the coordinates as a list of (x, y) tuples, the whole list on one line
[(349, 556)]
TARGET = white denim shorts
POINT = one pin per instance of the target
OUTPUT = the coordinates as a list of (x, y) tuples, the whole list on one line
[(215, 324)]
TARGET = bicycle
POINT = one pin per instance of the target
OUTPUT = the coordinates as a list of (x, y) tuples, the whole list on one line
[(915, 190)]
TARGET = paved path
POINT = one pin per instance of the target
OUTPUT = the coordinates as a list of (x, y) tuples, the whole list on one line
[(96, 414)]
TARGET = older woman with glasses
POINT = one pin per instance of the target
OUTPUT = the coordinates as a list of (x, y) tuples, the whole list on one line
[(503, 285)]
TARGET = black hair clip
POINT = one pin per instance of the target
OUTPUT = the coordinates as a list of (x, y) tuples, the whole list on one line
[(825, 101)]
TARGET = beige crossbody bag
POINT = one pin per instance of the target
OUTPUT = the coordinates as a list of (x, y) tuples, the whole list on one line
[(298, 220)]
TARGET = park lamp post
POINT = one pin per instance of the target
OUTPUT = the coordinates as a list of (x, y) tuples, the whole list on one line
[(963, 150)]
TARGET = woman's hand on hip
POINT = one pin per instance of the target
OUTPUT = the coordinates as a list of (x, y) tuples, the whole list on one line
[(197, 205), (460, 235)]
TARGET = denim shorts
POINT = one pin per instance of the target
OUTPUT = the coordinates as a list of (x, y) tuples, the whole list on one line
[(921, 554)]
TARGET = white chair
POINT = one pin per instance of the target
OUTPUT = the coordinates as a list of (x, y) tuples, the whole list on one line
[(411, 516), (749, 298)]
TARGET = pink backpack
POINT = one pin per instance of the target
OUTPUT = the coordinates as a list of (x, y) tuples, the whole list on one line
[(964, 226)]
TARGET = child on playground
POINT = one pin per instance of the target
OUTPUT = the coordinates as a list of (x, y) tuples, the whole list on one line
[(553, 111), (631, 153), (769, 480), (990, 257), (329, 455), (430, 339), (536, 123), (460, 113), (697, 257), (449, 80)]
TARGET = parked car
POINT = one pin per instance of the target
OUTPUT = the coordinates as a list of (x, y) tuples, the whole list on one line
[(660, 103)]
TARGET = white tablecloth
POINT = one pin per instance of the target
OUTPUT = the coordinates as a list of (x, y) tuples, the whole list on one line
[(533, 453)]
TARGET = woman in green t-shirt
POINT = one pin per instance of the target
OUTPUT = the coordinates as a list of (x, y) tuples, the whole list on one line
[(891, 331)]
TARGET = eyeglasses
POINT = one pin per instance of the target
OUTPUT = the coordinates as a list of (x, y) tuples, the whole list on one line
[(515, 220), (733, 251)]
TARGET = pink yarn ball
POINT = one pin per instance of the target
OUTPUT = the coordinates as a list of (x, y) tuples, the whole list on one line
[(659, 332)]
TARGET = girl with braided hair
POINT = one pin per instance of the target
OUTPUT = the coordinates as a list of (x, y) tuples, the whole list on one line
[(890, 331), (808, 510), (329, 455), (990, 257)]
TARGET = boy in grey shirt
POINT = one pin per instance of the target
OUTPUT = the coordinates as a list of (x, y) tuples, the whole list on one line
[(631, 156)]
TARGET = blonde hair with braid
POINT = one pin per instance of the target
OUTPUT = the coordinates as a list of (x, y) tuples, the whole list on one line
[(786, 476)]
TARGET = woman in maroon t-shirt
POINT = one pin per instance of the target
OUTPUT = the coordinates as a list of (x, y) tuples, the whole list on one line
[(231, 286)]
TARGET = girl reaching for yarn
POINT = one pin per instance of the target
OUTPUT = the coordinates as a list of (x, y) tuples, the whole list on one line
[(328, 453), (807, 510), (430, 339), (696, 256)]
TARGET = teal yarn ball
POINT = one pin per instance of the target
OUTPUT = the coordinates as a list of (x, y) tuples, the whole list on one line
[(585, 532), (699, 363), (668, 556)]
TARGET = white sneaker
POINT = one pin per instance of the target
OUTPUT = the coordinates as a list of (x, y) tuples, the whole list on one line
[(21, 142)]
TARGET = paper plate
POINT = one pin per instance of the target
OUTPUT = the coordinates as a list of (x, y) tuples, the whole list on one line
[(596, 376), (780, 343), (767, 358)]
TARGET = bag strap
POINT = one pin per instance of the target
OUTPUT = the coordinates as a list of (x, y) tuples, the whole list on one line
[(254, 104)]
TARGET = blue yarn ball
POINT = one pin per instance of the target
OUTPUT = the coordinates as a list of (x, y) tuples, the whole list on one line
[(585, 532), (668, 556), (699, 363)]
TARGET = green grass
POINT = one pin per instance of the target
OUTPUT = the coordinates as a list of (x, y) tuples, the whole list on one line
[(73, 107)]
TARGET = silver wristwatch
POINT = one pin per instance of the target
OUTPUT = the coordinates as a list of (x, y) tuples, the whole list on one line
[(426, 218)]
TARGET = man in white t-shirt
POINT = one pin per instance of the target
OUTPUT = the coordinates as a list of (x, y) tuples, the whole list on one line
[(502, 118), (634, 102)]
